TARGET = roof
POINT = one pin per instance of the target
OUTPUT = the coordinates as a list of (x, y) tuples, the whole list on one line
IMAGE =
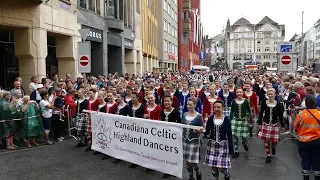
[(317, 23), (266, 19), (242, 21), (293, 38)]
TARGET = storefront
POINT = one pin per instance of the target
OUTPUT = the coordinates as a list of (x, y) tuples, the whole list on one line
[(95, 36), (129, 57)]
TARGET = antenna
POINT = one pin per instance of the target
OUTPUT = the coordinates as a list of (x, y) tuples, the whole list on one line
[(302, 23)]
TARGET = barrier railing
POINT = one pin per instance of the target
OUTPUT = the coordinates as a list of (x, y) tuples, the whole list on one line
[(70, 124), (293, 111)]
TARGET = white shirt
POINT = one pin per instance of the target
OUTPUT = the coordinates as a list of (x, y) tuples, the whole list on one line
[(32, 87), (46, 112)]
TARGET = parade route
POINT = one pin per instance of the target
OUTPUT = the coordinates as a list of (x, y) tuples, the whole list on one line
[(63, 161)]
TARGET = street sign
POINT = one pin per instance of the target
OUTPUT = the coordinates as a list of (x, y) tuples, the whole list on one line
[(286, 47), (286, 60), (286, 63), (84, 57), (84, 33)]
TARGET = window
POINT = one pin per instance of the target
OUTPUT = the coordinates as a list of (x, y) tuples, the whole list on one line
[(275, 49), (267, 42), (165, 5), (249, 42), (267, 49), (138, 6), (235, 42), (169, 28), (275, 34), (275, 42), (165, 46), (258, 42), (165, 26), (169, 9), (249, 50), (259, 35), (258, 50), (92, 6), (98, 9), (83, 3), (175, 17), (235, 36), (110, 8)]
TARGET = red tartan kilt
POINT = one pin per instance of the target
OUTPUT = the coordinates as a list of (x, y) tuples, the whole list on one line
[(89, 129), (269, 132)]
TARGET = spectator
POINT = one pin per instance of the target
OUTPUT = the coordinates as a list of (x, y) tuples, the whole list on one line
[(34, 82)]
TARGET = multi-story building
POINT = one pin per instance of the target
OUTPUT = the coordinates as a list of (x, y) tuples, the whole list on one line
[(150, 30), (113, 44), (317, 48), (38, 38), (254, 42), (168, 35), (214, 48), (309, 45), (190, 32)]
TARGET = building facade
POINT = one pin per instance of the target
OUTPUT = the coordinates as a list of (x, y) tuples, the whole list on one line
[(113, 43), (309, 45), (317, 47), (37, 39), (258, 43), (190, 32), (214, 48), (168, 35), (150, 30)]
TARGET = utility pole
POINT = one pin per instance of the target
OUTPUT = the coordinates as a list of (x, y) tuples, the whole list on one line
[(302, 23)]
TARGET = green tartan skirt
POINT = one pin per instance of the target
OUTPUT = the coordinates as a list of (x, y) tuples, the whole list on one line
[(239, 127)]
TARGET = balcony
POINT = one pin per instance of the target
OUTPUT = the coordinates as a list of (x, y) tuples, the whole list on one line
[(187, 5), (186, 27)]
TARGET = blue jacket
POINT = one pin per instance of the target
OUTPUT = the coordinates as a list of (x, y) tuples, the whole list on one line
[(181, 100), (229, 100), (225, 132), (198, 107)]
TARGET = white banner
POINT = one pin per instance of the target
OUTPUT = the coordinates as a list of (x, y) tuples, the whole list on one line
[(155, 145)]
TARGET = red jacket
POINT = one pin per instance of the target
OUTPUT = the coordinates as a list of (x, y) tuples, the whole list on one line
[(70, 106), (253, 102), (141, 96), (207, 108), (155, 114)]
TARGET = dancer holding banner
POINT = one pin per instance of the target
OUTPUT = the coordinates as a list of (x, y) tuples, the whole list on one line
[(169, 114), (137, 110), (111, 107), (220, 144), (191, 143), (92, 106)]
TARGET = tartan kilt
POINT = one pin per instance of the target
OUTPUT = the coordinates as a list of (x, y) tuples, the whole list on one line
[(191, 150), (226, 113), (239, 127), (269, 132), (89, 127), (81, 122), (217, 154)]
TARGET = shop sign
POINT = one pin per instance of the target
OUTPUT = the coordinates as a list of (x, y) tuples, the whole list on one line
[(128, 44), (94, 34), (172, 56)]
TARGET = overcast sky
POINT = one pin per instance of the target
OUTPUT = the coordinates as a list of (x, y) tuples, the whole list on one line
[(215, 13)]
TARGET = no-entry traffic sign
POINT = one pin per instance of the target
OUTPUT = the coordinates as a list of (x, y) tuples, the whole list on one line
[(286, 60), (84, 57), (84, 60), (286, 63)]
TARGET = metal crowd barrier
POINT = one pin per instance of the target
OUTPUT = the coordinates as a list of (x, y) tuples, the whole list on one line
[(293, 111), (70, 123)]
